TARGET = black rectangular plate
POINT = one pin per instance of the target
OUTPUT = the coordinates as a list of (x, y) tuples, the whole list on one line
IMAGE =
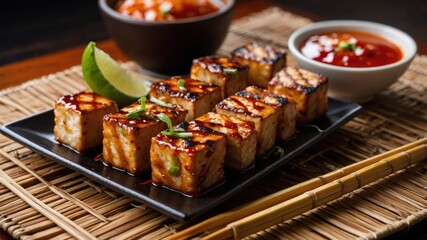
[(36, 132)]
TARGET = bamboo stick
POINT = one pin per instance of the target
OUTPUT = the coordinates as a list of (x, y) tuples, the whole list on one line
[(321, 195), (223, 219), (63, 222)]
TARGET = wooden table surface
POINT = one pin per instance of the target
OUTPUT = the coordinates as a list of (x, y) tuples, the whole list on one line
[(15, 73)]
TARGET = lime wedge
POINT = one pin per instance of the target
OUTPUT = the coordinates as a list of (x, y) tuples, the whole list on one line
[(107, 78)]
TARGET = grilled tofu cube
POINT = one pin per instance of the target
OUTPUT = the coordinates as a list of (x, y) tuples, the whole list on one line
[(263, 61), (189, 165), (285, 107), (309, 90), (241, 138), (198, 97), (221, 71), (78, 119), (263, 115), (126, 143)]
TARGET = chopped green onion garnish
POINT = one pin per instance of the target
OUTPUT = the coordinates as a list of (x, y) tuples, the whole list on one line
[(177, 134), (142, 100), (312, 126), (174, 169), (276, 151), (181, 85), (163, 117), (343, 45), (230, 70), (135, 114), (161, 103), (138, 112), (170, 131)]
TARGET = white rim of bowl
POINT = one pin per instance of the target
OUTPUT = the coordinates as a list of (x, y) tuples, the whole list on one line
[(115, 14), (323, 26)]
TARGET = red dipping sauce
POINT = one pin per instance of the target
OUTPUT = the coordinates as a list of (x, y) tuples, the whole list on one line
[(167, 10), (351, 49)]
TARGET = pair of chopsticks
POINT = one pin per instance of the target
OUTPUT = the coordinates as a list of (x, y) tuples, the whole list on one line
[(288, 203)]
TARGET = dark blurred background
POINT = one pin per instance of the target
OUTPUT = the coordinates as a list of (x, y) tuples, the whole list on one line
[(32, 28)]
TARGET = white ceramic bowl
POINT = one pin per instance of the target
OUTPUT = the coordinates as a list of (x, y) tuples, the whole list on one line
[(350, 83)]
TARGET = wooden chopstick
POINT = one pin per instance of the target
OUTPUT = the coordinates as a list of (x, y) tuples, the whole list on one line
[(223, 219), (320, 195), (66, 224)]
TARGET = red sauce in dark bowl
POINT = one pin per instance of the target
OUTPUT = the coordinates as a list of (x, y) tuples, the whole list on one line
[(167, 10), (351, 49)]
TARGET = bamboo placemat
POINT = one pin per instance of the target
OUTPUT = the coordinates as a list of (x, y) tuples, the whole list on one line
[(395, 117)]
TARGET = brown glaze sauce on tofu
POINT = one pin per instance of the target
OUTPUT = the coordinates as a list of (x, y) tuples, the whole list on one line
[(128, 128), (299, 79), (199, 158), (259, 52), (151, 109), (248, 106), (129, 124), (195, 89), (83, 102), (203, 138), (143, 119), (127, 144), (78, 119), (155, 109), (217, 64)]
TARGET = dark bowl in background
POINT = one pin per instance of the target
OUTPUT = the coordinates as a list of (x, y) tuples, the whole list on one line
[(167, 48)]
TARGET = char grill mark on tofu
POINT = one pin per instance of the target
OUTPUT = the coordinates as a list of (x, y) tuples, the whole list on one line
[(232, 126), (299, 79), (199, 158), (308, 89), (263, 115), (78, 119), (263, 61), (263, 95), (127, 141), (241, 138), (213, 69), (285, 107), (198, 98), (248, 106)]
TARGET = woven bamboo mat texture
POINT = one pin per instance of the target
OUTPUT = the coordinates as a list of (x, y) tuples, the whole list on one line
[(395, 117)]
